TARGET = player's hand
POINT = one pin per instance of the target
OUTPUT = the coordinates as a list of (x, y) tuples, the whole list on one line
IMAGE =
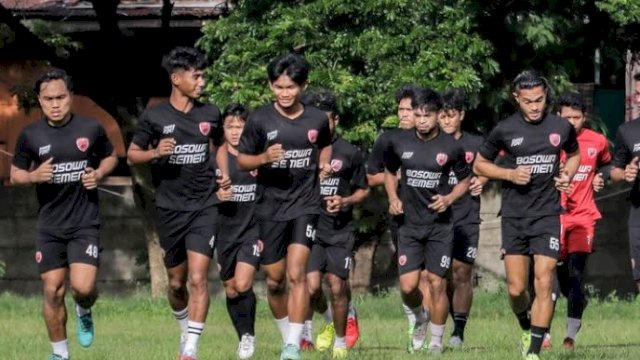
[(439, 203), (598, 182), (223, 181), (224, 194), (335, 203), (395, 207), (563, 182), (475, 188), (42, 173), (520, 175), (274, 153), (325, 171), (631, 171), (165, 147), (90, 178)]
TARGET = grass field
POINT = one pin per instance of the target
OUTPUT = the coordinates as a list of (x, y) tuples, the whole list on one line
[(141, 328)]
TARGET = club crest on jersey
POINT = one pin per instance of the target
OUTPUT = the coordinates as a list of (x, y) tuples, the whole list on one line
[(44, 150), (402, 259), (82, 144), (336, 165), (592, 152), (441, 158), (38, 257), (205, 128), (468, 156), (554, 139), (254, 172), (312, 135)]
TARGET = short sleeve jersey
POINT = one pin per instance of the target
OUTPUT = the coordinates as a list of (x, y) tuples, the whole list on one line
[(424, 172), (288, 188), (349, 175), (236, 217), (594, 152), (466, 210), (80, 143), (184, 180), (627, 148), (375, 162), (537, 145)]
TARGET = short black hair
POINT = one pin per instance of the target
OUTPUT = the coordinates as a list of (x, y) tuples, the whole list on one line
[(426, 99), (54, 74), (237, 110), (290, 64), (636, 77), (183, 58), (454, 99), (572, 100), (323, 99), (405, 91), (529, 79)]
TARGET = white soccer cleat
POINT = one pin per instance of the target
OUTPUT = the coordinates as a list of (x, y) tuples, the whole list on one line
[(419, 335), (247, 346)]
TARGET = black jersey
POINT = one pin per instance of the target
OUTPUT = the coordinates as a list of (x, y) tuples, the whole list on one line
[(184, 180), (628, 147), (375, 162), (424, 172), (80, 143), (537, 145), (466, 210), (237, 216), (347, 164), (288, 188)]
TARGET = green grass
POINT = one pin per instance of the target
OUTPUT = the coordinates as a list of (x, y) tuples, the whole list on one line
[(141, 328)]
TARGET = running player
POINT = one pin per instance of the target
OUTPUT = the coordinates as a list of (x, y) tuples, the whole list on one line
[(425, 157), (332, 252), (238, 247), (290, 144), (375, 177), (625, 168), (175, 137), (466, 216), (65, 156), (532, 141)]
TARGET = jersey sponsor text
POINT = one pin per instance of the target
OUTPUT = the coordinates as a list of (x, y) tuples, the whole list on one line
[(68, 172), (540, 164), (189, 154), (243, 193), (294, 159), (423, 178)]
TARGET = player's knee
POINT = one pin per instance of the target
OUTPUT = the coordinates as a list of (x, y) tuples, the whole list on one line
[(408, 288), (437, 285), (54, 292), (297, 276), (516, 289), (461, 276), (177, 285), (243, 285), (198, 282), (276, 287), (84, 291), (338, 288)]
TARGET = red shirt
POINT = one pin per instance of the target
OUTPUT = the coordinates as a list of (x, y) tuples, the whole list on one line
[(594, 152)]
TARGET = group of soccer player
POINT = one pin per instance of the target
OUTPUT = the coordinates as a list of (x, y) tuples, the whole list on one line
[(274, 189)]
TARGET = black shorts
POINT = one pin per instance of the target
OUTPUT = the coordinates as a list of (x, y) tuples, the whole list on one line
[(465, 242), (332, 255), (395, 222), (426, 248), (58, 248), (245, 250), (634, 242), (180, 231), (278, 235), (531, 236)]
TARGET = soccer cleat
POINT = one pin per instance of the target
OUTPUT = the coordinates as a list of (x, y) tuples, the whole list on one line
[(188, 355), (306, 345), (84, 330), (435, 349), (290, 352), (455, 342), (525, 342), (339, 353), (353, 331), (546, 342), (57, 357), (325, 338), (410, 343), (532, 357), (419, 335), (247, 346), (568, 343)]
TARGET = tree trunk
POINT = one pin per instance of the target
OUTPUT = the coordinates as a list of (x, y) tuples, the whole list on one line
[(361, 272)]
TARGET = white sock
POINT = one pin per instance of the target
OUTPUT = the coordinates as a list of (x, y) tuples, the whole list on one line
[(295, 334), (573, 326), (410, 316), (61, 348), (436, 334), (340, 342), (80, 311), (182, 317), (352, 311), (328, 315), (193, 335), (307, 332), (283, 325), (420, 315)]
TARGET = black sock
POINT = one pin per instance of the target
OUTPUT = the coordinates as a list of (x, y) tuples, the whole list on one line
[(537, 336), (242, 310), (576, 299), (524, 320), (460, 321)]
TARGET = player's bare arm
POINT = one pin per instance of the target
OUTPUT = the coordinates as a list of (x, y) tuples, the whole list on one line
[(92, 177), (485, 168), (41, 174), (248, 162), (442, 202), (138, 155)]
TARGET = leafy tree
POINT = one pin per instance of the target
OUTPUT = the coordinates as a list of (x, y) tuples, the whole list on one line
[(624, 12)]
